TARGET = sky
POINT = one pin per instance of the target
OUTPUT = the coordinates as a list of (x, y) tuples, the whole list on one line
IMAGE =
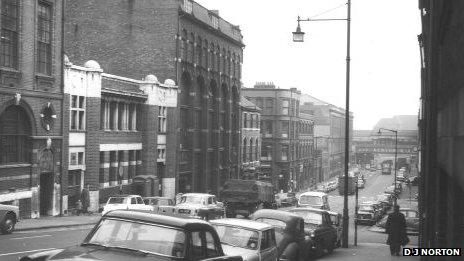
[(385, 58)]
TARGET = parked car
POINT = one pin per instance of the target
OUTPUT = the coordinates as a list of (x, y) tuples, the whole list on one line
[(386, 200), (245, 196), (292, 244), (199, 205), (132, 202), (337, 222), (318, 225), (133, 235), (413, 181), (289, 199), (412, 220), (9, 216), (252, 240), (161, 205), (367, 214), (314, 199)]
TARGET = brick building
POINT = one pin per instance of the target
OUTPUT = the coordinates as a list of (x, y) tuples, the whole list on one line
[(305, 152), (251, 140), (280, 133), (441, 126), (119, 129), (31, 98), (178, 40)]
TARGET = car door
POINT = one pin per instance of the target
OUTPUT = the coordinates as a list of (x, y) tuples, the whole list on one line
[(268, 246)]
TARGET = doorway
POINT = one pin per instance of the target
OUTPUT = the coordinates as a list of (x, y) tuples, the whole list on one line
[(46, 193)]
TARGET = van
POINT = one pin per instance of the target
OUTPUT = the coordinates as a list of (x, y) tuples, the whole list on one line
[(314, 199)]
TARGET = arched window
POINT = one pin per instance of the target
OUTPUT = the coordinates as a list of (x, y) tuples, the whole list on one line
[(183, 45), (191, 57), (218, 58), (239, 67), (228, 63), (15, 132), (199, 53), (244, 150), (224, 60), (233, 64), (205, 54), (257, 146), (212, 56), (251, 150)]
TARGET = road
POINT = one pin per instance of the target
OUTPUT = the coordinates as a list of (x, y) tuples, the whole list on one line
[(19, 244), (23, 243)]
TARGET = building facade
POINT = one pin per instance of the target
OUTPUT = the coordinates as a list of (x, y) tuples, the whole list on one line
[(251, 140), (117, 134), (180, 40), (441, 126), (329, 134), (306, 152), (31, 100), (279, 130)]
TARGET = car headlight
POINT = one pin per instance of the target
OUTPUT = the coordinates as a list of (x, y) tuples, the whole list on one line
[(312, 234)]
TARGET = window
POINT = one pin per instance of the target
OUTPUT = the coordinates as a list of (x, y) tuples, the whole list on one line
[(199, 53), (44, 38), (76, 158), (162, 154), (215, 21), (268, 239), (212, 57), (183, 46), (9, 34), (77, 112), (285, 126), (285, 105), (162, 119), (188, 6), (284, 153), (74, 178), (269, 106), (205, 54), (191, 50), (267, 127), (15, 130)]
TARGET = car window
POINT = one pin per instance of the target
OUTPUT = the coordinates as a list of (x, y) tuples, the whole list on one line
[(410, 214), (211, 248), (237, 236), (210, 200), (310, 217), (146, 201), (139, 200), (197, 250), (117, 200), (310, 200), (265, 240), (133, 201)]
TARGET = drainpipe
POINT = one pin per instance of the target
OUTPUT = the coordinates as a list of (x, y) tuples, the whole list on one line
[(63, 153)]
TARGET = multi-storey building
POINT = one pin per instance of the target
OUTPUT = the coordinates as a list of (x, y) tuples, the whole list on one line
[(279, 129), (178, 40), (305, 151), (441, 124), (118, 129), (329, 133), (251, 140), (31, 99)]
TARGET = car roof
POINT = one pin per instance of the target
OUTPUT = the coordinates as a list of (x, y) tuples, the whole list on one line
[(150, 217), (251, 224), (197, 194), (310, 209), (313, 193), (123, 196), (156, 198), (333, 213), (281, 215)]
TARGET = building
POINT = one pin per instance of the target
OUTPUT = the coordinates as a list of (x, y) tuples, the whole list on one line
[(441, 126), (31, 100), (306, 153), (178, 40), (118, 131), (251, 140), (279, 128), (329, 134)]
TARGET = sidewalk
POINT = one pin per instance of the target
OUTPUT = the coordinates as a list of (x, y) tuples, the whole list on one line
[(55, 222), (366, 252)]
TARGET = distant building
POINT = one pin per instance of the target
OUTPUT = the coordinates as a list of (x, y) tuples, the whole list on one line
[(441, 121), (329, 134), (251, 140), (117, 138), (280, 132), (31, 102), (183, 41)]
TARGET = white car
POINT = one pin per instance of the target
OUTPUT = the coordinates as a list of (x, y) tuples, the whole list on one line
[(9, 215), (132, 202)]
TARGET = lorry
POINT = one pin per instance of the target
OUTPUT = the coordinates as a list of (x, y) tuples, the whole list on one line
[(351, 184), (386, 167), (245, 196)]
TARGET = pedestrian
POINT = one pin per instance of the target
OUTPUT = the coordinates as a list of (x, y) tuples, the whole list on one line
[(85, 199), (78, 207), (396, 230)]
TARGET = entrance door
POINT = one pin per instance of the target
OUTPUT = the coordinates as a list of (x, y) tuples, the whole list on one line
[(46, 193)]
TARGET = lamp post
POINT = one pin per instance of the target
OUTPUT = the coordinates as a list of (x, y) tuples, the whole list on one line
[(396, 152), (298, 36)]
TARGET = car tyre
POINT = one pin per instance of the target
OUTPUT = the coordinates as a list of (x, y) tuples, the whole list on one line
[(8, 224), (330, 247)]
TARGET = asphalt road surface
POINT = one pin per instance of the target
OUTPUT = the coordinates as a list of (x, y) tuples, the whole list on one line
[(19, 244)]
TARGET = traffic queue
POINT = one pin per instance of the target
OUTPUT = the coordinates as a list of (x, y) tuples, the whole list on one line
[(197, 226)]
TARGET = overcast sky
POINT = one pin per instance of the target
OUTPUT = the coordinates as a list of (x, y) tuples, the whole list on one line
[(385, 67)]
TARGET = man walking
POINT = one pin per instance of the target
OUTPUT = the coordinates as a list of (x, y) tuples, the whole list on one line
[(85, 199), (396, 230)]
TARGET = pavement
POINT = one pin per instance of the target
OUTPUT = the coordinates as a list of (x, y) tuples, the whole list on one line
[(55, 222), (366, 252)]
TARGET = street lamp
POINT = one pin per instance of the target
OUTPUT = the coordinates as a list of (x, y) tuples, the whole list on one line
[(298, 36), (396, 151)]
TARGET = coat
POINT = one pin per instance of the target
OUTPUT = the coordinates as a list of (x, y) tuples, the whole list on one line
[(396, 229), (85, 198)]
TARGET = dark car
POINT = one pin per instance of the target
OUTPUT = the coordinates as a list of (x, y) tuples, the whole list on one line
[(368, 213), (386, 200), (137, 235), (292, 244), (412, 220), (337, 222), (318, 225)]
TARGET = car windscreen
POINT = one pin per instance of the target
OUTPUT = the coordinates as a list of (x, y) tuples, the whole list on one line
[(309, 217), (238, 237), (140, 236), (367, 208), (278, 225), (409, 214), (164, 202), (310, 200), (117, 200), (191, 199)]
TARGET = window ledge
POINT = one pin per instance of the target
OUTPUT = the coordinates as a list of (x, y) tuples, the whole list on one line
[(44, 76), (77, 131), (18, 165), (10, 70)]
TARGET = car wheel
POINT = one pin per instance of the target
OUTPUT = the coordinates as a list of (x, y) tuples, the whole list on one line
[(330, 247), (8, 224)]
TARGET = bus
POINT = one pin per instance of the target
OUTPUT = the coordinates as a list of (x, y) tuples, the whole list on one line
[(351, 184), (386, 167)]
